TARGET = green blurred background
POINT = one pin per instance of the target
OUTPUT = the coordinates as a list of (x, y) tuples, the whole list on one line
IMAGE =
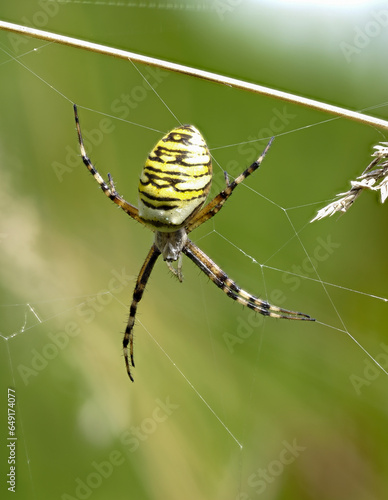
[(225, 405)]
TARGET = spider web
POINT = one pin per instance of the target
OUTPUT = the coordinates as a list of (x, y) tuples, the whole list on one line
[(207, 374)]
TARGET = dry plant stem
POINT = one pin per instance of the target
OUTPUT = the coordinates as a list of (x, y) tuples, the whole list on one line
[(369, 179), (206, 75)]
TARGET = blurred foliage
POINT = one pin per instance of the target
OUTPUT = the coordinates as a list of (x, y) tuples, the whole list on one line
[(305, 401)]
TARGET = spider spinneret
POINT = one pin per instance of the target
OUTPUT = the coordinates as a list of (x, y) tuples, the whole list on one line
[(174, 184)]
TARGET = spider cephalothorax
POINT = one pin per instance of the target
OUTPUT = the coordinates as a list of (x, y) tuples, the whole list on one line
[(173, 187)]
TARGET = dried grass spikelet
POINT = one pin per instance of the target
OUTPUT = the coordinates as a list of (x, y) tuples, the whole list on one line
[(374, 177)]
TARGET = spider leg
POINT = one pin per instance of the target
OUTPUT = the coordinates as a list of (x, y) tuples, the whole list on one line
[(108, 189), (216, 204), (141, 282), (228, 286)]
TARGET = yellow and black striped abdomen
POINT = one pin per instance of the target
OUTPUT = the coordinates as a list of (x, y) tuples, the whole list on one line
[(175, 180)]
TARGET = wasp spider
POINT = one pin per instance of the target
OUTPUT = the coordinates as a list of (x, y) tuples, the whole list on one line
[(173, 187)]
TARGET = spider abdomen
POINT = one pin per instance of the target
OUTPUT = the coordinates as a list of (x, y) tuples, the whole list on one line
[(175, 180)]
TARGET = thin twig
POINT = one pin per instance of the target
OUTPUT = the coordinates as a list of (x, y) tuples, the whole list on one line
[(206, 75)]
